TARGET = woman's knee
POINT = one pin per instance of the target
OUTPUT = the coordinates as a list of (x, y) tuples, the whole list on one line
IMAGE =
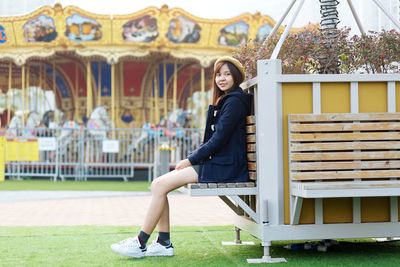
[(158, 187)]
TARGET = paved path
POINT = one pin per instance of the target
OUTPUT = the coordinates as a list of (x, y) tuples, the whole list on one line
[(55, 208)]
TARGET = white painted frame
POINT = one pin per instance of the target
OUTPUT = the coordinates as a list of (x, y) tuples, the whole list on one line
[(270, 201)]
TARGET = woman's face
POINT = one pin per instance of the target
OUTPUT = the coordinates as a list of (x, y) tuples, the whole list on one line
[(224, 78)]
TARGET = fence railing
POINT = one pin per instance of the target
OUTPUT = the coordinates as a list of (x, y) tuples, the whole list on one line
[(102, 153)]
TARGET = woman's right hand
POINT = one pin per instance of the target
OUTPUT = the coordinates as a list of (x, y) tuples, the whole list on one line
[(183, 164)]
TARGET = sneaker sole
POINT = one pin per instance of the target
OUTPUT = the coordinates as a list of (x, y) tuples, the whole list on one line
[(127, 254), (159, 255)]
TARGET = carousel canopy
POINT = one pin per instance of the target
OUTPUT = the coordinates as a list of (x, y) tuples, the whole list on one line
[(48, 30)]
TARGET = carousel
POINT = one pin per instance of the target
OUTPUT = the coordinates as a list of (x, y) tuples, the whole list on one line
[(142, 66)]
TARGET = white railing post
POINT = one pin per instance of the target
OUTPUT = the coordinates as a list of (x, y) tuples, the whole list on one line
[(269, 142)]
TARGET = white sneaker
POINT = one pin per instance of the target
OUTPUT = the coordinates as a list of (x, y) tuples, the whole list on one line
[(129, 247), (156, 249)]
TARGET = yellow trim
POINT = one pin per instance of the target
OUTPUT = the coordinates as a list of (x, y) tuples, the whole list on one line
[(296, 98)]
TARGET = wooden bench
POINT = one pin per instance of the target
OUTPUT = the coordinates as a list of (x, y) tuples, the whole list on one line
[(343, 155), (243, 194)]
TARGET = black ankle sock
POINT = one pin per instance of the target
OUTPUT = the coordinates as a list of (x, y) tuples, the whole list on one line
[(143, 238), (164, 238)]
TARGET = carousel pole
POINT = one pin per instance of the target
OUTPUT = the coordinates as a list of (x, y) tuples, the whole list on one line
[(39, 86), (120, 90), (191, 90), (113, 93), (77, 107), (28, 75), (43, 84), (89, 101), (203, 97), (151, 119), (54, 82), (9, 92), (165, 88), (175, 87), (156, 96), (99, 85), (23, 93)]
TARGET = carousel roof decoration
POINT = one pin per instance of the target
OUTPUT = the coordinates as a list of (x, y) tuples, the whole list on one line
[(48, 30)]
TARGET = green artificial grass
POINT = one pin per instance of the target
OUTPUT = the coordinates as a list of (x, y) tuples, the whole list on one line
[(74, 185), (194, 246)]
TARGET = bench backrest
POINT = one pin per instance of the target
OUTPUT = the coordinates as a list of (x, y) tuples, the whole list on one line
[(251, 146), (344, 146)]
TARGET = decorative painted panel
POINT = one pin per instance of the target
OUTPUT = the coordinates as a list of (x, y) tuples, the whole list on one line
[(80, 28), (3, 36), (40, 29), (183, 30), (234, 35), (142, 29)]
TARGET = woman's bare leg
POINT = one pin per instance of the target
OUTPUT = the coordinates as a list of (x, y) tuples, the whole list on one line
[(163, 222), (160, 187)]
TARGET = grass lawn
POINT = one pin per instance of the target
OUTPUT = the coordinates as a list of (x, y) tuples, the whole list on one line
[(194, 246), (75, 186)]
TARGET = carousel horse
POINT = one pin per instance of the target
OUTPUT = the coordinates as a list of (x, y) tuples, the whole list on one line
[(98, 126), (53, 118), (99, 122), (16, 128)]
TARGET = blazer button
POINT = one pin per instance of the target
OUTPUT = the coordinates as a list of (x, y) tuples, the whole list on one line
[(210, 157), (213, 127)]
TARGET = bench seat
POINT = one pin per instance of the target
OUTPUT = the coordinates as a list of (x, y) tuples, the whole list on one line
[(219, 189), (346, 189)]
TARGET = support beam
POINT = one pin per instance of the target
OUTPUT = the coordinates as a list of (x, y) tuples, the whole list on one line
[(113, 94), (10, 69), (286, 32), (203, 97), (165, 87), (23, 93), (175, 87), (54, 80), (279, 23), (387, 13), (156, 96), (353, 11), (89, 97), (296, 209), (99, 84), (28, 77)]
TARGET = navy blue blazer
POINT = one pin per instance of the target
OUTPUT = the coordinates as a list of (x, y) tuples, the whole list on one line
[(223, 155)]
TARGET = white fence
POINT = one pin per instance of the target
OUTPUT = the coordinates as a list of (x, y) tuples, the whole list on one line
[(102, 153)]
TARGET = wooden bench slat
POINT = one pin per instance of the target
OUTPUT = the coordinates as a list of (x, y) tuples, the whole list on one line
[(251, 157), (345, 127), (297, 147), (357, 174), (252, 175), (345, 136), (345, 155), (344, 117), (251, 147), (251, 119), (250, 129), (304, 166), (251, 138), (252, 166)]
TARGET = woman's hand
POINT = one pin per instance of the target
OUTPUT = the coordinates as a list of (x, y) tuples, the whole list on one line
[(183, 164)]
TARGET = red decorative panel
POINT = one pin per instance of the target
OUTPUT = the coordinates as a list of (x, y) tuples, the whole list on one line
[(70, 69), (134, 73)]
